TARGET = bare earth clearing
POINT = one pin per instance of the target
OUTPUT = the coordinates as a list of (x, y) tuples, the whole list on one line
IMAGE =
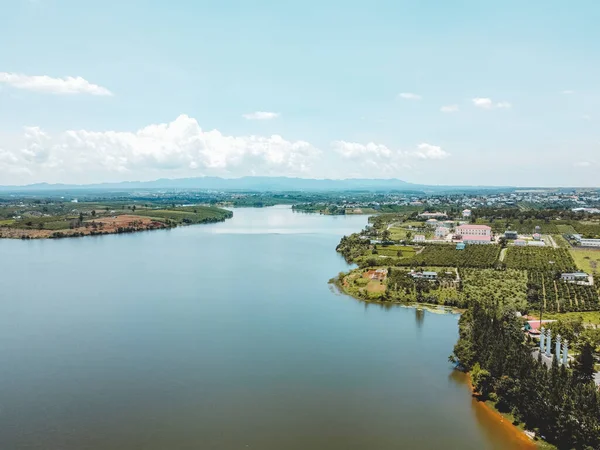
[(104, 225)]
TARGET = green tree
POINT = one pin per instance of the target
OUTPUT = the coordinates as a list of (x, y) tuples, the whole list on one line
[(583, 367), (386, 235)]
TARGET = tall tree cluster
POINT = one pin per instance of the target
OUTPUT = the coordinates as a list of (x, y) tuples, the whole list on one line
[(560, 404)]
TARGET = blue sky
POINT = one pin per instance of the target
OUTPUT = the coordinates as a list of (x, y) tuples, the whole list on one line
[(312, 89)]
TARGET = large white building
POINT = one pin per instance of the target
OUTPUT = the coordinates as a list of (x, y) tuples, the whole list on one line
[(589, 242), (475, 234), (473, 230)]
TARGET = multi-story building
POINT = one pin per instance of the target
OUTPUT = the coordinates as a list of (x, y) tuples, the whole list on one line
[(473, 230)]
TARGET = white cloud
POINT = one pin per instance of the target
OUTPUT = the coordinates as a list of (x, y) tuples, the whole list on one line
[(586, 117), (449, 108), (487, 103), (504, 105), (356, 150), (260, 115), (409, 96), (178, 148), (44, 83), (567, 92), (582, 164), (381, 160), (428, 151)]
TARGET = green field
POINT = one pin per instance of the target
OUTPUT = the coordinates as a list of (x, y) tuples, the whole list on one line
[(399, 251), (565, 229), (538, 259), (188, 215), (586, 260)]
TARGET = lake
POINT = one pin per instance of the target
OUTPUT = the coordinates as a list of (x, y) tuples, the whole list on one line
[(221, 336)]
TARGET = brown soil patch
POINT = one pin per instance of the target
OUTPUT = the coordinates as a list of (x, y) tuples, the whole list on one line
[(102, 225)]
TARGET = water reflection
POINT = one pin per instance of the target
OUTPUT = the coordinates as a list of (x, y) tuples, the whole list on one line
[(501, 433), (419, 317)]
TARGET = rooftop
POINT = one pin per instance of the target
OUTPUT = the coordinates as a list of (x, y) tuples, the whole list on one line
[(470, 237), (475, 227)]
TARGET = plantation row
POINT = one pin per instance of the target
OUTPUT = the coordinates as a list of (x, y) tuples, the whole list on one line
[(552, 294), (591, 230), (478, 256), (539, 259)]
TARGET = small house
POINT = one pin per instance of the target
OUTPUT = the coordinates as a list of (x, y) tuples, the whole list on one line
[(520, 243), (377, 275), (537, 236), (441, 232), (510, 234), (574, 276), (460, 246), (419, 238), (432, 276)]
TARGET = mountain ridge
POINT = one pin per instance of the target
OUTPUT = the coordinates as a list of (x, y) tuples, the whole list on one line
[(247, 183)]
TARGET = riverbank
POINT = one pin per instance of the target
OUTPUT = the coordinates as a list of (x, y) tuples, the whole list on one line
[(105, 225), (343, 287), (486, 411), (96, 219), (524, 438)]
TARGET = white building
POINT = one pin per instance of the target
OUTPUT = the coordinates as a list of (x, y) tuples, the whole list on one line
[(473, 230), (419, 238), (574, 276), (589, 242), (536, 243), (432, 215), (466, 213), (476, 239), (441, 232)]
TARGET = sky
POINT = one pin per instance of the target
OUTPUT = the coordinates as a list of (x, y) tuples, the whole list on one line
[(452, 92)]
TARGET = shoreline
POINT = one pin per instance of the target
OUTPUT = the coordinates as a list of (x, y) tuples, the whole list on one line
[(520, 435), (120, 224), (518, 432), (431, 307)]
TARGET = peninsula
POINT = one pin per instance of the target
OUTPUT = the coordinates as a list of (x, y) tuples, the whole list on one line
[(32, 218), (505, 268)]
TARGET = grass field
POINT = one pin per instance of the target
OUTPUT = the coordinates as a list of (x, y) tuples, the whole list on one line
[(560, 241), (192, 214), (565, 229), (399, 234), (395, 251), (586, 260)]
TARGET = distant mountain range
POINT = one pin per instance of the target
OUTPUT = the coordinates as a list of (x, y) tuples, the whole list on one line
[(247, 184)]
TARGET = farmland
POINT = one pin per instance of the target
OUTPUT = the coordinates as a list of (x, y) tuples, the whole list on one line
[(62, 219), (550, 293), (480, 256), (539, 259), (400, 251), (586, 260)]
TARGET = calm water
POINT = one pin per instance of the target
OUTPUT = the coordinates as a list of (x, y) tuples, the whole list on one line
[(222, 336)]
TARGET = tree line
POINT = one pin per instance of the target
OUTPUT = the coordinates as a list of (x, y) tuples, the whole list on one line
[(562, 405)]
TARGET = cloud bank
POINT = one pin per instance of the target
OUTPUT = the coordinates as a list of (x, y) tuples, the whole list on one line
[(46, 84), (183, 148)]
